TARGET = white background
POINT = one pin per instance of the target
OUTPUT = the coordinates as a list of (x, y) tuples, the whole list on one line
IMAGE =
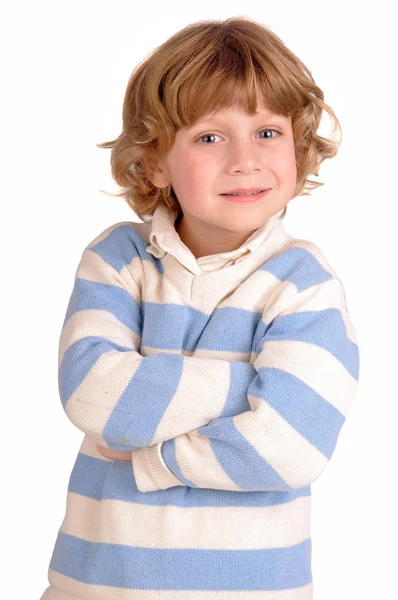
[(65, 67)]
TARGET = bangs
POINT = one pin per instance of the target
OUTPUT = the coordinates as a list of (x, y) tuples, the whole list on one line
[(230, 76)]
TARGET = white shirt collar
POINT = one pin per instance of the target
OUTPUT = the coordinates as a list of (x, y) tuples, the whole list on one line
[(165, 239)]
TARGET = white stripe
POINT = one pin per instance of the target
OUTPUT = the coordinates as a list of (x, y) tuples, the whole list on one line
[(330, 378), (198, 378), (82, 591), (329, 294), (91, 266), (296, 461), (132, 523), (293, 457), (99, 323)]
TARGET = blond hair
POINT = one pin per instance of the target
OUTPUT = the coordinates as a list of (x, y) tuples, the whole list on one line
[(208, 65)]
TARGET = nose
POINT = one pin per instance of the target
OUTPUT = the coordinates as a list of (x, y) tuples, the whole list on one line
[(244, 157)]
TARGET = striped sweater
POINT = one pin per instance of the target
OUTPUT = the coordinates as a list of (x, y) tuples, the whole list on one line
[(230, 377)]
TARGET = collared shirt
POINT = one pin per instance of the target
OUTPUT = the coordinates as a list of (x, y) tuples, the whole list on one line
[(164, 238)]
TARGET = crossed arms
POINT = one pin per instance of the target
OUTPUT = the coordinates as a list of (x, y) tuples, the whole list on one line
[(206, 422)]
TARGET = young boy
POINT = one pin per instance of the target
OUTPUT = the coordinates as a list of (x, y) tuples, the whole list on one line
[(207, 355)]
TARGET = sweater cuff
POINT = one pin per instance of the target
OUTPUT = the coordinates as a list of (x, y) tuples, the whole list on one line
[(150, 471)]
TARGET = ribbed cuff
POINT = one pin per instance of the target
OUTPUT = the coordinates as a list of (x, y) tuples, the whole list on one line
[(150, 471)]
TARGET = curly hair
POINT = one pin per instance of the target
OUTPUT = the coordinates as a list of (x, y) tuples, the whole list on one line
[(209, 65)]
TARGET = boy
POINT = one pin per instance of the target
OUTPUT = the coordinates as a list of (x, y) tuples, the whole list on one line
[(207, 355)]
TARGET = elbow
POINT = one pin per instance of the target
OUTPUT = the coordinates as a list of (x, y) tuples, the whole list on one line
[(84, 415), (304, 474)]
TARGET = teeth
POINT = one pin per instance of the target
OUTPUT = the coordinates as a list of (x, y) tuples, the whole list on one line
[(243, 193)]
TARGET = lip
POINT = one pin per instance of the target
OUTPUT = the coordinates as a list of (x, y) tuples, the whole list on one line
[(246, 199), (252, 189)]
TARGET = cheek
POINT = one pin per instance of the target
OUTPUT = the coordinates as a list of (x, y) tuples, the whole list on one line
[(285, 167), (289, 176), (187, 185), (196, 176)]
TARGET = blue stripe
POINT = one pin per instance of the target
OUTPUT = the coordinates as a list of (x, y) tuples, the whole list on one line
[(88, 476), (176, 327), (91, 295), (298, 266), (323, 328), (122, 245), (146, 398), (114, 480), (78, 360), (237, 457), (172, 327), (182, 568), (168, 451), (304, 409), (241, 376)]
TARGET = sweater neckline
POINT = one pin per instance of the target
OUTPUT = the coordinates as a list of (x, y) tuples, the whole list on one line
[(164, 240), (174, 255)]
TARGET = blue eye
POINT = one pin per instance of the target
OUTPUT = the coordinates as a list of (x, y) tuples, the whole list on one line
[(274, 130), (214, 134)]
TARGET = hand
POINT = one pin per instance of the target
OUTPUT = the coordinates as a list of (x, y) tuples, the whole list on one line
[(123, 455)]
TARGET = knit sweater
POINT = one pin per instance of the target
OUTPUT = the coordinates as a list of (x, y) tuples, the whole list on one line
[(229, 377)]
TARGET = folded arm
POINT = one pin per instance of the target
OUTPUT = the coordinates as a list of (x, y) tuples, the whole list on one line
[(307, 366), (114, 394)]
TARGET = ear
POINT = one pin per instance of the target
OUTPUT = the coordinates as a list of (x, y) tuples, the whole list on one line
[(154, 172)]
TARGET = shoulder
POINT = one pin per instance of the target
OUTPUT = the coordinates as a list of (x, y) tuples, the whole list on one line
[(302, 264), (301, 276), (120, 235), (122, 246), (120, 243)]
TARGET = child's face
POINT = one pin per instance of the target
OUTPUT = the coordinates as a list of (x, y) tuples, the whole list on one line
[(240, 155)]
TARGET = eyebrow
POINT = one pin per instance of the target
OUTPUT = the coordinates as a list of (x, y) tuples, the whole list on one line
[(262, 116)]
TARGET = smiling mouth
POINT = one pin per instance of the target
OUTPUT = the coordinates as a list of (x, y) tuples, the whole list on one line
[(246, 198), (246, 193)]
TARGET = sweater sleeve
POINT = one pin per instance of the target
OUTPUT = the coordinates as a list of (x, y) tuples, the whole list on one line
[(307, 368), (109, 390)]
